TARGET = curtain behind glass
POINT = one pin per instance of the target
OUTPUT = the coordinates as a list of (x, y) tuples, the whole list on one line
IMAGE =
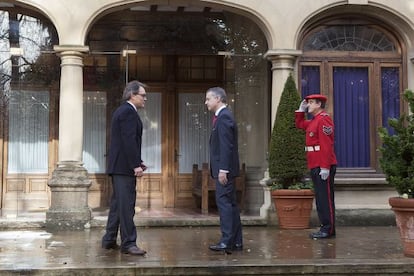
[(351, 116), (311, 81), (94, 131), (28, 132), (194, 131), (151, 136), (390, 91)]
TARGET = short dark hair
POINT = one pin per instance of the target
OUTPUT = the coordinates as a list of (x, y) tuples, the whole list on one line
[(219, 92), (132, 88), (323, 103)]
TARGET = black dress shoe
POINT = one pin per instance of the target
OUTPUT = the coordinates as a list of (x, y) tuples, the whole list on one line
[(220, 247), (238, 247), (111, 245), (134, 250), (320, 235)]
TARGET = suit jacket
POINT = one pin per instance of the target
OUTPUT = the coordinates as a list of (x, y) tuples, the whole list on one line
[(126, 139), (224, 152)]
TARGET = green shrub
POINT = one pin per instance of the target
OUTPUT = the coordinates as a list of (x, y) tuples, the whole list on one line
[(287, 159), (397, 151)]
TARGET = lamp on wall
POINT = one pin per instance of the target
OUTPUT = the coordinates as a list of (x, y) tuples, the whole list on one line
[(226, 54), (125, 53), (16, 52)]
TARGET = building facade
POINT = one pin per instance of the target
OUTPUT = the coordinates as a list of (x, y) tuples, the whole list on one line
[(64, 64)]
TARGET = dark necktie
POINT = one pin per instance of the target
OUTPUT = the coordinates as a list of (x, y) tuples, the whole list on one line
[(214, 120)]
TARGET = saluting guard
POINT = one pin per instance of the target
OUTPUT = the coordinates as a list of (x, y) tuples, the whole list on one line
[(321, 159)]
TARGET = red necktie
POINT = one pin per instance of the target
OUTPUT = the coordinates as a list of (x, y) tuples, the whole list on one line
[(214, 120)]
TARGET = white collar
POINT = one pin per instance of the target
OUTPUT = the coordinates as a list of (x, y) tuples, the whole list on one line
[(218, 110), (133, 106)]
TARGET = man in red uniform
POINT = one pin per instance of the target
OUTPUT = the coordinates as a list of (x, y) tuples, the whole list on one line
[(321, 159)]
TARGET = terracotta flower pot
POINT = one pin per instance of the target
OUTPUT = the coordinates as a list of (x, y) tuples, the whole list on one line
[(404, 216), (293, 208)]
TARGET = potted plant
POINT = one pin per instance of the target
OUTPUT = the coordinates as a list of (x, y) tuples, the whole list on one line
[(397, 162), (291, 193)]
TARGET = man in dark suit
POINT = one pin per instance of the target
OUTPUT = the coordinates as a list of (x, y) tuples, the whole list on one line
[(124, 165), (224, 167)]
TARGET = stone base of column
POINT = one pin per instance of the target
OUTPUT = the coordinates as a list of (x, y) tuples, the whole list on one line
[(69, 187), (267, 204)]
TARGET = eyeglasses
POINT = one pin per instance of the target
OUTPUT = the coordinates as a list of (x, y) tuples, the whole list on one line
[(142, 95)]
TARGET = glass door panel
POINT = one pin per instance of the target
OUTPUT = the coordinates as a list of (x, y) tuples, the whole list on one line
[(151, 136), (390, 92), (194, 131), (94, 131), (28, 132)]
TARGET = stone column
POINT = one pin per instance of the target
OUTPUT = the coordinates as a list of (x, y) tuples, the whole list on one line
[(70, 183), (283, 63)]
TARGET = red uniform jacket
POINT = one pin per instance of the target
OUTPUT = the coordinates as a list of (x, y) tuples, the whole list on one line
[(319, 135)]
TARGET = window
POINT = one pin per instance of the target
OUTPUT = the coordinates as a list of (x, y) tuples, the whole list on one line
[(197, 68), (349, 38), (310, 80), (390, 89), (151, 136), (94, 131), (194, 131), (28, 132), (149, 68)]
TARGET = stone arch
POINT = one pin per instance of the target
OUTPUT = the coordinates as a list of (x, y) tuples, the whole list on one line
[(38, 10), (236, 8), (135, 35), (394, 23)]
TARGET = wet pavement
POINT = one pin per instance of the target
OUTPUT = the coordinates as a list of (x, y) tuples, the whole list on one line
[(184, 251)]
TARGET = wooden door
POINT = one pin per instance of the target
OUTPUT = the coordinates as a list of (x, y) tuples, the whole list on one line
[(192, 132), (176, 133)]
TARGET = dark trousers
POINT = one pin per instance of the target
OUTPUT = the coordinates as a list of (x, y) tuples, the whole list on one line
[(230, 225), (122, 211), (325, 199)]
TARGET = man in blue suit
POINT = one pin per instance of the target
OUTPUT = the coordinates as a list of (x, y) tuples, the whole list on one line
[(124, 166), (224, 167)]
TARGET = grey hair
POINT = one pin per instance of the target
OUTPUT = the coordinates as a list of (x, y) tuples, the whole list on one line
[(219, 92), (132, 88)]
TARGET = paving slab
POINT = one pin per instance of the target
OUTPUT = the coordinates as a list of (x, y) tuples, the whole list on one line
[(268, 250)]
